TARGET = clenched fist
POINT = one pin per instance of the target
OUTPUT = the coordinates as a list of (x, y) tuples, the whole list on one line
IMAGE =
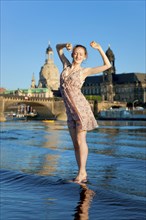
[(95, 45), (69, 46)]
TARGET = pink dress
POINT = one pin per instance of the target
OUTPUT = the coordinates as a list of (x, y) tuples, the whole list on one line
[(78, 109)]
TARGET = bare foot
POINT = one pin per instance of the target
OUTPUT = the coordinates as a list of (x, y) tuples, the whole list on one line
[(81, 178)]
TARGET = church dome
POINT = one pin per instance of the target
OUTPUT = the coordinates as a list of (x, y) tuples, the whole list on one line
[(49, 73)]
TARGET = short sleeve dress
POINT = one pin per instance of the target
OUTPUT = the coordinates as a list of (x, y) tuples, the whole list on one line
[(78, 109)]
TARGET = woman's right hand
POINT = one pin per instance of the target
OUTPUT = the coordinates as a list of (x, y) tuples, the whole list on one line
[(69, 46)]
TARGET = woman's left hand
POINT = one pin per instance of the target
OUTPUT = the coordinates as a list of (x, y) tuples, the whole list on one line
[(95, 45)]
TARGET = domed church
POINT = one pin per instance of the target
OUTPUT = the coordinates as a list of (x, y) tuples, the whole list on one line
[(49, 73)]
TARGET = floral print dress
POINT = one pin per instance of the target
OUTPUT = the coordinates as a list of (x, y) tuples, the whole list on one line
[(78, 109)]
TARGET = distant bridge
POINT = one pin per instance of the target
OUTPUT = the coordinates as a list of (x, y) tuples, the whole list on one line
[(47, 107)]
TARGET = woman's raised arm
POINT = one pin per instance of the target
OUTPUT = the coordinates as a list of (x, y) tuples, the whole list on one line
[(98, 69), (59, 48)]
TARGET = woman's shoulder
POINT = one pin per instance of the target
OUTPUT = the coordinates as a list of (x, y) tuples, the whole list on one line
[(83, 74), (84, 69)]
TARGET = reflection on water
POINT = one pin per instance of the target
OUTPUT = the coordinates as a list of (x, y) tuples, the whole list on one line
[(49, 165), (122, 123), (82, 209), (36, 157)]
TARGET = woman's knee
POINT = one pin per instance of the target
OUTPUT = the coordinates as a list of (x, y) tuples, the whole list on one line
[(81, 137)]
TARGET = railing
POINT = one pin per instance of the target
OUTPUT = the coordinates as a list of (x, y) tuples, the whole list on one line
[(26, 98)]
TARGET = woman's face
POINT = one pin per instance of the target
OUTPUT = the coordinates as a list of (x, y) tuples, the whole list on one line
[(79, 55)]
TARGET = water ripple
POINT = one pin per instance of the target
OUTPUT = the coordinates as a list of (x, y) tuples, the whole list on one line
[(38, 162)]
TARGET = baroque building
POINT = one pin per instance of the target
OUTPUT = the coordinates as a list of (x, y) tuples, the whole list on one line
[(49, 73), (124, 87), (107, 87), (49, 79)]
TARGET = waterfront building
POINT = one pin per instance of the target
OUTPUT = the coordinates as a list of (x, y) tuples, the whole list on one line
[(123, 87), (31, 92), (49, 73)]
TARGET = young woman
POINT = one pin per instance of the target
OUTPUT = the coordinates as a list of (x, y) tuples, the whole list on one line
[(80, 118)]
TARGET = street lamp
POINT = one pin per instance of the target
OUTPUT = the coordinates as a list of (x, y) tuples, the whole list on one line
[(133, 103)]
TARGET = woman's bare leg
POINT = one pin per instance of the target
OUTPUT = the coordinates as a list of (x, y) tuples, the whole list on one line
[(82, 152), (73, 135)]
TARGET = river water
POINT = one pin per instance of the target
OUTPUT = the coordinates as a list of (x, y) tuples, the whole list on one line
[(37, 162)]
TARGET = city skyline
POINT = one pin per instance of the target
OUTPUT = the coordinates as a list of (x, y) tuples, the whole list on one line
[(27, 28)]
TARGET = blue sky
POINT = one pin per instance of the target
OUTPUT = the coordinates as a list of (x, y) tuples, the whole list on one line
[(28, 26)]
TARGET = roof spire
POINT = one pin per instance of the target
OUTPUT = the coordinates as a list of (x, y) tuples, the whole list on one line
[(49, 49), (33, 78)]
